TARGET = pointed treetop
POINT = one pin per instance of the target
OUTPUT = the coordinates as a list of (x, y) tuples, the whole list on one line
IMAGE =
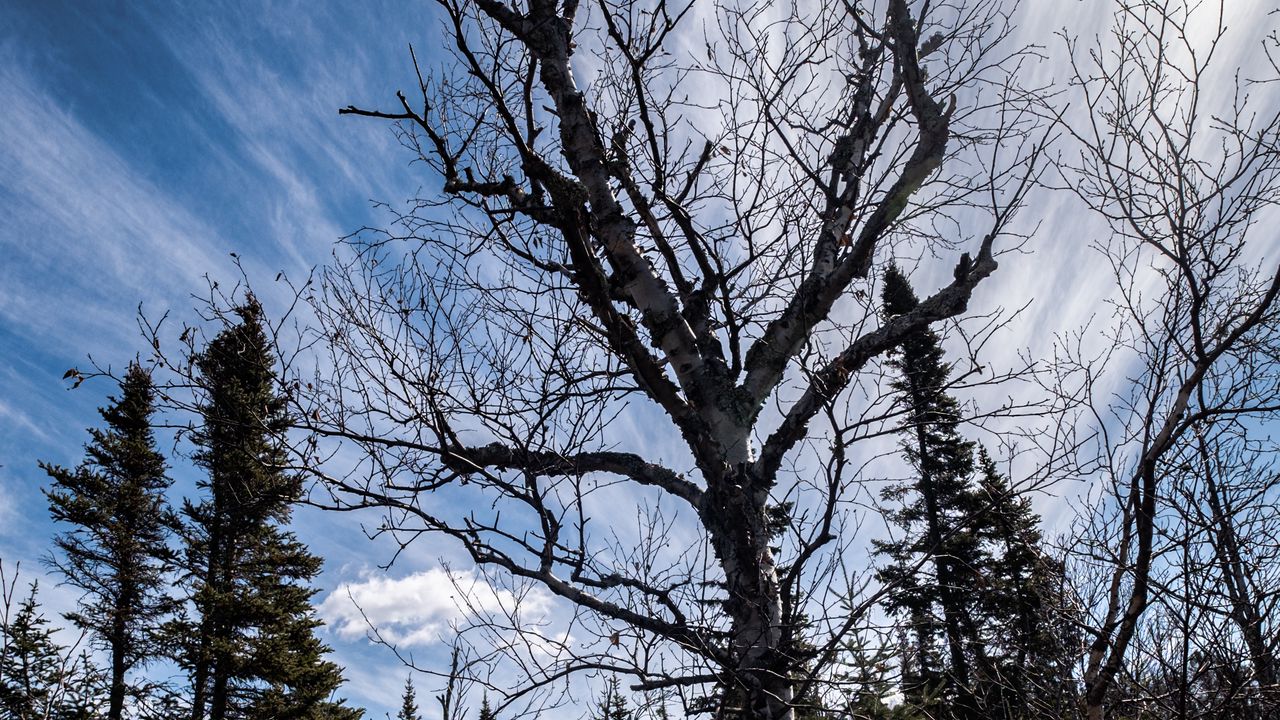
[(613, 704), (408, 702), (897, 295)]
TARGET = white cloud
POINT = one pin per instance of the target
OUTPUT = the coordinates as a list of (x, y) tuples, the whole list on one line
[(417, 609)]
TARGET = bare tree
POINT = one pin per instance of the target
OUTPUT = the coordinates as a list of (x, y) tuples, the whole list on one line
[(1237, 506), (670, 216), (1184, 170)]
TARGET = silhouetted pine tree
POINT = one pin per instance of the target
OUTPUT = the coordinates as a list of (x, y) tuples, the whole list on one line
[(486, 711), (1029, 658), (613, 704), (116, 551), (252, 651), (409, 703), (30, 662), (936, 514), (288, 655), (868, 684), (84, 688), (984, 601), (38, 680)]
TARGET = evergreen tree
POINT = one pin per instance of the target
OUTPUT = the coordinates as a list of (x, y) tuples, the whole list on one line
[(409, 703), (1029, 648), (971, 578), (486, 711), (252, 649), (30, 662), (935, 560), (83, 689), (116, 551), (613, 704), (287, 653), (38, 681), (867, 682)]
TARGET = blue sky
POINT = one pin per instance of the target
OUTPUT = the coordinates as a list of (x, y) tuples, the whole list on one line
[(142, 143)]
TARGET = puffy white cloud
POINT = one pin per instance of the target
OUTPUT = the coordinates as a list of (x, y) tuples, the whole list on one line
[(418, 609)]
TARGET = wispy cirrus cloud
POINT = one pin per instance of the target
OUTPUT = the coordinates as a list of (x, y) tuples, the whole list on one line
[(85, 229)]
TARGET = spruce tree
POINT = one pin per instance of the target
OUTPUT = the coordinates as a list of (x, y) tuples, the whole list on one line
[(486, 711), (287, 653), (613, 704), (982, 599), (83, 690), (1029, 653), (933, 563), (867, 681), (252, 649), (116, 552), (409, 703), (30, 662), (38, 680)]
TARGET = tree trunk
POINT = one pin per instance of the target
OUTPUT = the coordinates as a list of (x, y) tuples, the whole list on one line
[(1244, 609), (199, 679), (943, 568), (218, 699), (200, 666), (115, 697), (126, 601), (222, 630), (1099, 677), (734, 511)]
